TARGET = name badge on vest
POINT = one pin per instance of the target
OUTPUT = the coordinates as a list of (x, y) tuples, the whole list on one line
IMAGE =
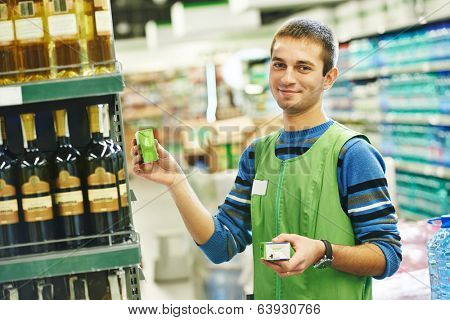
[(259, 187)]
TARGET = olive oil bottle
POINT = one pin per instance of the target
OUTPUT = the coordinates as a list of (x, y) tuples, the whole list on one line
[(64, 31), (32, 40), (99, 35), (8, 54)]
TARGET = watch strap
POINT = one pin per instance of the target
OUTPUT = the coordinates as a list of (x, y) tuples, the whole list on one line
[(328, 249)]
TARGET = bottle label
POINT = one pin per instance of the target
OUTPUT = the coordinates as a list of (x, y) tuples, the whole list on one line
[(9, 210), (64, 25), (69, 203), (103, 194), (103, 200), (6, 31), (68, 200), (103, 22), (29, 29), (36, 207)]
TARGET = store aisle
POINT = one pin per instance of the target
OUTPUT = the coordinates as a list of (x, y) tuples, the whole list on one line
[(155, 211)]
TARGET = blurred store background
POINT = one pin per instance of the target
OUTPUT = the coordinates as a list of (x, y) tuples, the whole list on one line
[(196, 72)]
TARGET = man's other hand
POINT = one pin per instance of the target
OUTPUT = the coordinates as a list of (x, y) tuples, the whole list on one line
[(307, 252)]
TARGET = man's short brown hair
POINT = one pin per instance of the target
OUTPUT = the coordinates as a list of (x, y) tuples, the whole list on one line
[(305, 29)]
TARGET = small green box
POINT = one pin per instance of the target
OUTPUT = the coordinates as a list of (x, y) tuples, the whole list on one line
[(146, 144)]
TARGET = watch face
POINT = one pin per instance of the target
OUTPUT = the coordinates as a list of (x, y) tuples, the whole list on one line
[(324, 263)]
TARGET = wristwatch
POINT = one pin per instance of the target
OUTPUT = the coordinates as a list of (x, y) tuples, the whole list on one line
[(326, 260)]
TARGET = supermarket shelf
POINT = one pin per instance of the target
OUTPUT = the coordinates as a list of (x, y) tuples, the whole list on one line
[(69, 262), (424, 169), (61, 89), (387, 71), (371, 117)]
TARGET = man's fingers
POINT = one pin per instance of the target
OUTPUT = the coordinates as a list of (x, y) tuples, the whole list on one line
[(159, 148), (285, 237), (289, 273), (137, 159), (134, 151), (273, 266)]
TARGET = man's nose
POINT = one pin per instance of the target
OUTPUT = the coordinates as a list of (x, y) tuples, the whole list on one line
[(288, 77)]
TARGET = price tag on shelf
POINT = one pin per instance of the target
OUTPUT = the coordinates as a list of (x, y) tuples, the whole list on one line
[(10, 96)]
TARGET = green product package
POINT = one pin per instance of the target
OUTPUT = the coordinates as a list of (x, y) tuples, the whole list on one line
[(146, 144)]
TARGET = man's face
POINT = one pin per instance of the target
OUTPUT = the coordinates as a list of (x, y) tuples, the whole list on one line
[(296, 79)]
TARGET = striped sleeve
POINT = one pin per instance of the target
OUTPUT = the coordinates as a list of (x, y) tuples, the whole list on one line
[(232, 223), (365, 197)]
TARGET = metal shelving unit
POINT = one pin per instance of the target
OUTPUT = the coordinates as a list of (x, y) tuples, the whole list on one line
[(111, 258), (69, 262), (388, 71), (423, 169), (54, 90)]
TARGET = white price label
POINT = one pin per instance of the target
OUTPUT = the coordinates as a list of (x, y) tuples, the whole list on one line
[(10, 96), (6, 31), (103, 22), (62, 25), (29, 29)]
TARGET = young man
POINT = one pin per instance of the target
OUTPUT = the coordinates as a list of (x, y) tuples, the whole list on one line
[(315, 184)]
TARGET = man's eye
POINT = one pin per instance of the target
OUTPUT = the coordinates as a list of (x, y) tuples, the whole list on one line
[(278, 65), (304, 68)]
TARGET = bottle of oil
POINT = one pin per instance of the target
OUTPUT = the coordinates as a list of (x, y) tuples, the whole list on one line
[(63, 28), (99, 34), (32, 40), (8, 55)]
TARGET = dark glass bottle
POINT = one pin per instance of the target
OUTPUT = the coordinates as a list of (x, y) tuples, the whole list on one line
[(119, 158), (34, 174), (101, 179), (68, 194), (9, 210)]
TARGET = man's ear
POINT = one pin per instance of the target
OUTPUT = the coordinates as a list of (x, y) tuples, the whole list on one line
[(330, 78)]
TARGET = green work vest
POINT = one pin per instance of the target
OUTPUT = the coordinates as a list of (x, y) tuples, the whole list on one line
[(302, 197)]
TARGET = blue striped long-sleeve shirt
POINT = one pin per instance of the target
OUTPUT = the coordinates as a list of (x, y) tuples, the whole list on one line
[(362, 188)]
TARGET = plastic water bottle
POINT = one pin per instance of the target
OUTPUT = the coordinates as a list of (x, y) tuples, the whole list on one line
[(444, 259), (433, 268), (439, 260)]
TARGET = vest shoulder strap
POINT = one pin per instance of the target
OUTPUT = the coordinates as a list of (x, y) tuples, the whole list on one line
[(262, 146)]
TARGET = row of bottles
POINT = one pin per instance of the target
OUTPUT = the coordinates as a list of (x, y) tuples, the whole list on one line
[(67, 196), (438, 250), (103, 285), (43, 39)]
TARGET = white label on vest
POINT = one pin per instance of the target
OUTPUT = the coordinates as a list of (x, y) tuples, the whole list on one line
[(259, 187)]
